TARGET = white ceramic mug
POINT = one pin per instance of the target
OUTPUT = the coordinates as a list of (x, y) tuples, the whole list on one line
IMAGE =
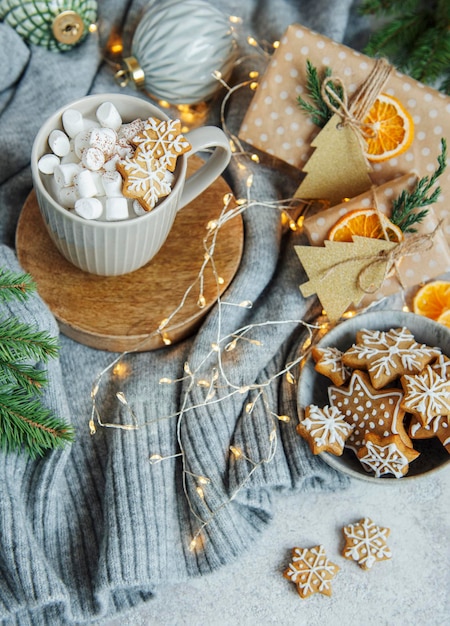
[(114, 248)]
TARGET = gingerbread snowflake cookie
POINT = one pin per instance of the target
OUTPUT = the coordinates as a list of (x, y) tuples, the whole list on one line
[(427, 395), (311, 571), (163, 139), (387, 355), (386, 455), (325, 429), (365, 543), (329, 363)]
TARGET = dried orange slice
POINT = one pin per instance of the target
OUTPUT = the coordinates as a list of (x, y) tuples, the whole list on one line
[(365, 223), (433, 299), (392, 126)]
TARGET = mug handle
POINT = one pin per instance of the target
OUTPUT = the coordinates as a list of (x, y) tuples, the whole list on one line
[(200, 139)]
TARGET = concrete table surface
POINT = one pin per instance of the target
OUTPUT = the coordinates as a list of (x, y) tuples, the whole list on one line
[(413, 587)]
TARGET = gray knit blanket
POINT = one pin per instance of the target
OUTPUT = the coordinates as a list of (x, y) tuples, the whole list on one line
[(92, 530)]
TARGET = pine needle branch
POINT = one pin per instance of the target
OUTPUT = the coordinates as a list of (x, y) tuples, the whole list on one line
[(317, 108), (409, 208), (13, 285), (26, 424), (20, 341)]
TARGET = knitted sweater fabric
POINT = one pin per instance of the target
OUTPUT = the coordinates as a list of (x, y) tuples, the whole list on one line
[(92, 530)]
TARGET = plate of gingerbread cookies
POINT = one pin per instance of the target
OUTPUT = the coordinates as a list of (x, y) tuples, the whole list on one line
[(374, 396)]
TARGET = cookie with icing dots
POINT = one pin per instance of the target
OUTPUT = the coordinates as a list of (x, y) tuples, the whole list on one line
[(369, 410), (387, 355), (328, 361), (325, 429), (386, 455)]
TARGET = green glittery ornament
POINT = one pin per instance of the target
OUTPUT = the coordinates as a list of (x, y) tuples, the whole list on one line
[(54, 24)]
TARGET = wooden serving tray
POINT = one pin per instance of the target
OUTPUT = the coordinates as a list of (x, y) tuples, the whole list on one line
[(122, 313)]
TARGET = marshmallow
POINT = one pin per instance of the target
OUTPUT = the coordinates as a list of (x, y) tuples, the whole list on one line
[(85, 184), (109, 116), (47, 163), (64, 174), (116, 209), (71, 157), (81, 142), (89, 208), (130, 130), (93, 158), (112, 184), (67, 196), (59, 142), (73, 122), (104, 139), (138, 208)]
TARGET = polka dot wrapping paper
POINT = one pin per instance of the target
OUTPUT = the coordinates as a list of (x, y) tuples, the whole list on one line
[(274, 123), (411, 270)]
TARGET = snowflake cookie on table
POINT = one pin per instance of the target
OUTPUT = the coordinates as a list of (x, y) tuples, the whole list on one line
[(365, 543), (311, 571)]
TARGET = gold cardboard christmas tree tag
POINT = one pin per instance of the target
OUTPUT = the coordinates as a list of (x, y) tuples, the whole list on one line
[(337, 169), (342, 273)]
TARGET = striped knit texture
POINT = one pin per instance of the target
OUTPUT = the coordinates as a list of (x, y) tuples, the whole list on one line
[(92, 530)]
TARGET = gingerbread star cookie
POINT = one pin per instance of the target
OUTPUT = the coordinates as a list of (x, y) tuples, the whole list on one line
[(329, 363), (311, 571), (365, 543), (427, 395), (387, 355), (386, 455), (325, 429), (369, 410)]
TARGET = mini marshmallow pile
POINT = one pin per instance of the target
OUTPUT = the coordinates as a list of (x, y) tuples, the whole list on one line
[(83, 161)]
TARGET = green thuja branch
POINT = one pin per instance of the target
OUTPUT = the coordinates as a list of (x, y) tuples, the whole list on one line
[(408, 209), (317, 108), (415, 37), (25, 423)]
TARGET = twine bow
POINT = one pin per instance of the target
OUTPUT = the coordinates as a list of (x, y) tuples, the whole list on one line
[(354, 113)]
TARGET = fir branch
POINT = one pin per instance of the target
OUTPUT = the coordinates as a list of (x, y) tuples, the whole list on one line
[(385, 7), (430, 56), (25, 423), (317, 109), (408, 209), (19, 340), (13, 285), (29, 377), (396, 38)]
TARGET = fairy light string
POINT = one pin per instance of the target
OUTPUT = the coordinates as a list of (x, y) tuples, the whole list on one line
[(209, 379)]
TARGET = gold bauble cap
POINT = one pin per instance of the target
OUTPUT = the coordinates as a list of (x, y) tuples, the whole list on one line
[(131, 70), (68, 27)]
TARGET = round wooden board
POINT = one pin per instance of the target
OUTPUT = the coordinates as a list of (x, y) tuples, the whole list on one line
[(123, 313)]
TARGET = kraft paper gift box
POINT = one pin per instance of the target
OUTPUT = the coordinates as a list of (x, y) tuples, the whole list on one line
[(411, 270), (275, 124)]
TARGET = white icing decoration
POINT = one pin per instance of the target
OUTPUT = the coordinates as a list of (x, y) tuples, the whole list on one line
[(367, 543), (385, 460), (311, 570), (428, 394), (384, 358), (338, 396), (327, 425)]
